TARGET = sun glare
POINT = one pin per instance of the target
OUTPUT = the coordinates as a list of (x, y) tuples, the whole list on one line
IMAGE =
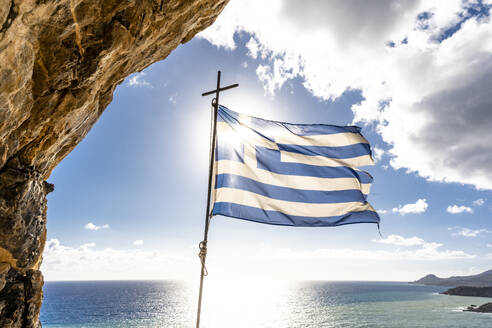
[(246, 304)]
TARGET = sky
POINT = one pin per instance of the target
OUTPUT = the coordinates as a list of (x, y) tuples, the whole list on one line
[(129, 201)]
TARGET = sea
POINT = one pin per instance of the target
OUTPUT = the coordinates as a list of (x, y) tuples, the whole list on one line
[(145, 304)]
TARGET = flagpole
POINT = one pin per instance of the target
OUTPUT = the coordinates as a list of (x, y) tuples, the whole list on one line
[(208, 214)]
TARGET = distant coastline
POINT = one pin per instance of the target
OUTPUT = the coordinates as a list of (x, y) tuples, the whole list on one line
[(483, 279)]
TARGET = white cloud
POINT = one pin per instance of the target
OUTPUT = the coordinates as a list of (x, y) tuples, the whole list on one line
[(138, 242), (489, 245), (377, 154), (479, 202), (92, 226), (466, 232), (255, 49), (275, 75), (173, 98), (426, 251), (244, 64), (420, 206), (138, 80), (382, 211), (401, 241), (455, 209), (414, 74), (85, 262)]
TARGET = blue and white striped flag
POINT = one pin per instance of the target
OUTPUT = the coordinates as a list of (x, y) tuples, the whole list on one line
[(291, 174)]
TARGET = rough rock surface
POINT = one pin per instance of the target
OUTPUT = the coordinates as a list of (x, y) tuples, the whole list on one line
[(60, 62), (484, 308), (470, 291)]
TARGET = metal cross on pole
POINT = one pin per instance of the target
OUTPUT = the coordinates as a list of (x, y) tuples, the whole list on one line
[(208, 215)]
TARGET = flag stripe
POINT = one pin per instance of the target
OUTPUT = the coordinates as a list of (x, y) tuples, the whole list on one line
[(342, 152), (286, 137), (248, 198), (278, 218), (288, 194), (316, 129), (268, 159), (292, 181), (338, 139), (244, 135), (289, 157), (267, 126)]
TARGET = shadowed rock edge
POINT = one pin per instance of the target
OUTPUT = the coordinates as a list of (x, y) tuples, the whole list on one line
[(60, 62)]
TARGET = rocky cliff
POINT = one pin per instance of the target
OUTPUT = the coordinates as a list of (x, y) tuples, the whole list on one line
[(60, 62)]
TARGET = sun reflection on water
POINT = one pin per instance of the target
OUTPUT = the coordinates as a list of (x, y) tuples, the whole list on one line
[(263, 304), (247, 304)]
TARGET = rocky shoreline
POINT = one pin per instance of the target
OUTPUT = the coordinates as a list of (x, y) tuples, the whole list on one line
[(479, 285), (484, 308), (470, 291), (475, 292)]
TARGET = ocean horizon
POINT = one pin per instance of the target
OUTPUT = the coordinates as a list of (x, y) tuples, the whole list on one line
[(164, 303)]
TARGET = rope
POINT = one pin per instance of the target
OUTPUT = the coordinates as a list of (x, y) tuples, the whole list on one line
[(202, 255)]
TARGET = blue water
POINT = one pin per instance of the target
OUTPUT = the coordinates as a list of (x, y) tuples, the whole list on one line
[(305, 304)]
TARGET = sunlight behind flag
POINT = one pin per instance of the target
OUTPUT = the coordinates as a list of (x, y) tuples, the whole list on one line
[(291, 174)]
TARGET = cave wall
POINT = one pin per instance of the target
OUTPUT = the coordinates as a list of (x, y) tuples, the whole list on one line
[(60, 62)]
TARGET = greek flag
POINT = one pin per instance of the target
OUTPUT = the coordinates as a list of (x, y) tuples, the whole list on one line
[(291, 174)]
